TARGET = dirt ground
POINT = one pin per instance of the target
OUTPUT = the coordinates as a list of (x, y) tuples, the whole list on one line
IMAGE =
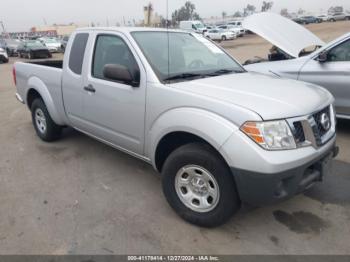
[(79, 196), (247, 47)]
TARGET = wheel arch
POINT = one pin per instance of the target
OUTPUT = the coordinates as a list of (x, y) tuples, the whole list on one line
[(37, 89), (192, 125)]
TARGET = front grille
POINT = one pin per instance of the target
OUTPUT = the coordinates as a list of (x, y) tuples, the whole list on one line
[(316, 129), (319, 130)]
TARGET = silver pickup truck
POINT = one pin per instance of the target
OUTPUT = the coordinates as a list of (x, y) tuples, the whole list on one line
[(220, 136)]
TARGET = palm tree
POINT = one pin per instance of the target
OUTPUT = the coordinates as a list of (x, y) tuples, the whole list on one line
[(224, 14)]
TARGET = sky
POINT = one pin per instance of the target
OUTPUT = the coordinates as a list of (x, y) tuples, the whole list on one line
[(21, 15)]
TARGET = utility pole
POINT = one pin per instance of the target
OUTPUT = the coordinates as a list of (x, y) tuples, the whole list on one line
[(3, 29)]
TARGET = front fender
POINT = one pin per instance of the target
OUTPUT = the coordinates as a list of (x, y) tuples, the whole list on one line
[(39, 86), (207, 125)]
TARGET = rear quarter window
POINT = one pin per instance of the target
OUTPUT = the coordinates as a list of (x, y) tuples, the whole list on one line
[(77, 52)]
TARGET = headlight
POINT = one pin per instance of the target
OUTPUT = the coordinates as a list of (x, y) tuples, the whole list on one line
[(271, 135)]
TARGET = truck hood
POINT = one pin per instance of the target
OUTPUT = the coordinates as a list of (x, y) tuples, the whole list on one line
[(270, 97), (287, 35), (53, 44), (38, 48)]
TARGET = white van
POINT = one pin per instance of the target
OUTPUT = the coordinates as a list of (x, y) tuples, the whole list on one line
[(196, 26)]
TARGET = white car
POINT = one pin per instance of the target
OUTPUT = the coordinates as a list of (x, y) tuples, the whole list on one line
[(3, 56), (239, 31), (324, 18), (220, 35), (52, 44)]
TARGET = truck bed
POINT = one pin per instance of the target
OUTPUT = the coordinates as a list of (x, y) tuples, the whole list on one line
[(50, 63), (46, 78)]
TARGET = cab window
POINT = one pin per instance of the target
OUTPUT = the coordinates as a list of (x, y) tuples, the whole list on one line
[(340, 53), (110, 49), (77, 52)]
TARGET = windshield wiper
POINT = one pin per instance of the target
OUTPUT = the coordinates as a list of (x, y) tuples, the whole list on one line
[(225, 71), (183, 76)]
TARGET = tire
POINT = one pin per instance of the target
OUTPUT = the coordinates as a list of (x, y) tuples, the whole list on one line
[(30, 56), (43, 124), (196, 158), (223, 38)]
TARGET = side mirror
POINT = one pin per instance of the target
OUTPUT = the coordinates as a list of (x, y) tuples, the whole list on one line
[(322, 57), (121, 74)]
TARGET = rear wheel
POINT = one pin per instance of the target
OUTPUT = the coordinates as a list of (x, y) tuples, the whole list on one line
[(223, 38), (199, 185), (44, 126)]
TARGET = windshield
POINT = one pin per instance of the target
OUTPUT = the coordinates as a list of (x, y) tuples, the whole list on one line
[(50, 41), (190, 55), (199, 25), (34, 44)]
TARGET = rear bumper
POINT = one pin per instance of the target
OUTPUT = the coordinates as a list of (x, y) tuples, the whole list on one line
[(261, 189)]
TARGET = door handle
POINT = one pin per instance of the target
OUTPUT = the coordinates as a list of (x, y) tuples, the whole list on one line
[(90, 88)]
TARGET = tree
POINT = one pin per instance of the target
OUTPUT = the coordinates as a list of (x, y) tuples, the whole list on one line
[(224, 14), (237, 14), (249, 10), (266, 6), (284, 12), (186, 12), (148, 9), (301, 11)]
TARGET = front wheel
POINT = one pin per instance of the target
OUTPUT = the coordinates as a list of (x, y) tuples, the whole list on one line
[(223, 38), (44, 126), (199, 185)]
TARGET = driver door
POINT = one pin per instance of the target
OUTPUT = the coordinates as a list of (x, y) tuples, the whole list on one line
[(115, 111), (333, 74)]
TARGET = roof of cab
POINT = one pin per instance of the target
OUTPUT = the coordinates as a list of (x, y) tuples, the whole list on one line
[(130, 29)]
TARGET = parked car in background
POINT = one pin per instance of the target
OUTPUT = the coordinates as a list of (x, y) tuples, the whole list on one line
[(220, 136), (337, 17), (236, 30), (12, 46), (305, 20), (194, 26), (238, 24), (324, 18), (235, 23), (33, 49), (327, 66), (64, 42), (52, 44), (3, 54), (220, 34)]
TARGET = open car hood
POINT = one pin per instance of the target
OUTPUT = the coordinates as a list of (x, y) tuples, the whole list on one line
[(284, 33)]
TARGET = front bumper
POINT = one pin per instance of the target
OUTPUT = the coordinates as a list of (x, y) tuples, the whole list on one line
[(261, 189), (4, 58)]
